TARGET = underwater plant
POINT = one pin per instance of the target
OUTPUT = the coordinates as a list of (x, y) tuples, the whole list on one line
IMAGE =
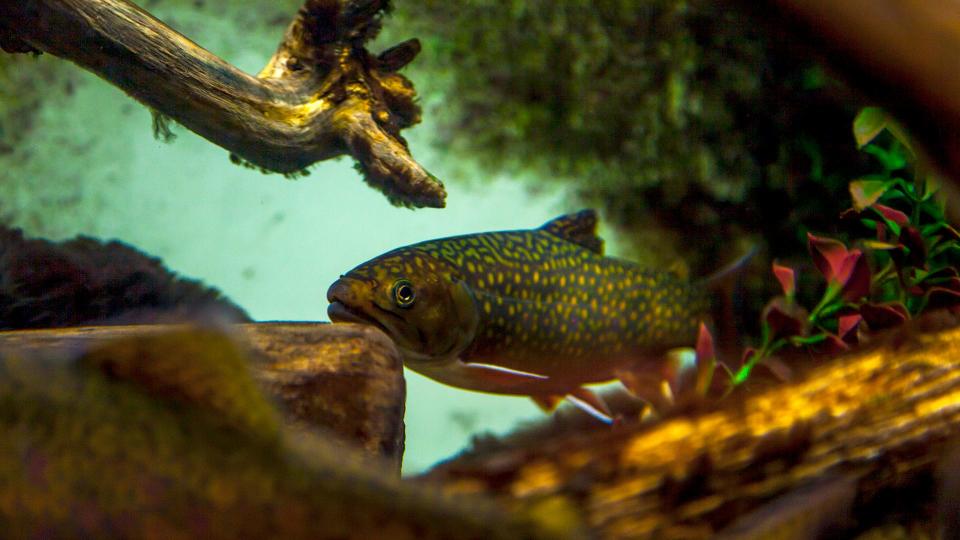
[(900, 259)]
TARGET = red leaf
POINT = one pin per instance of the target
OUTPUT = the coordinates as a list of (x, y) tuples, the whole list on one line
[(847, 327), (779, 369), (881, 231), (787, 278), (911, 238), (706, 361), (892, 214), (705, 350), (784, 318), (828, 255), (854, 276), (830, 346), (881, 316)]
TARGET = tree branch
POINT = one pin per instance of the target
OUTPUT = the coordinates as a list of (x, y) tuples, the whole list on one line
[(320, 96), (345, 379)]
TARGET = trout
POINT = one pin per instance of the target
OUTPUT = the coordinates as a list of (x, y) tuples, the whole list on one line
[(539, 312)]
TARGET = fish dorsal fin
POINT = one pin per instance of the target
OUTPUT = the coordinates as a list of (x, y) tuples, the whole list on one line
[(579, 228)]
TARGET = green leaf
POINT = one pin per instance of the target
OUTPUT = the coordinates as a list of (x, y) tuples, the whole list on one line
[(891, 159), (900, 134), (741, 375), (931, 185), (944, 248), (866, 192), (870, 121)]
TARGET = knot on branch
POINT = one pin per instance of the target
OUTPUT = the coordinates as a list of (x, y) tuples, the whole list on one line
[(323, 56)]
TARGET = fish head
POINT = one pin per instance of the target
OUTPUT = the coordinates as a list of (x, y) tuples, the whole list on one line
[(420, 301)]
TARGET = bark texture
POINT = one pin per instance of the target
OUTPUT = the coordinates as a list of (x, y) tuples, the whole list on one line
[(346, 379), (320, 96), (857, 442)]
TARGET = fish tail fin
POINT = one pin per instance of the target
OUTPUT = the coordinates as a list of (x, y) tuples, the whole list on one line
[(722, 277), (725, 295)]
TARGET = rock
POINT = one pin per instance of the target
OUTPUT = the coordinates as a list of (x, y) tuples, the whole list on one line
[(84, 281)]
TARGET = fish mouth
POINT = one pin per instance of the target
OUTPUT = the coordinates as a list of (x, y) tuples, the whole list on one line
[(340, 312)]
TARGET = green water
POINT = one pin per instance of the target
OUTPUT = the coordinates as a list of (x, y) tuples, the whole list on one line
[(90, 165)]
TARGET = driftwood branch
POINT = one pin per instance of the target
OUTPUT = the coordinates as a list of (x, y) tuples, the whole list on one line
[(320, 96), (902, 53), (345, 379), (823, 454), (163, 433)]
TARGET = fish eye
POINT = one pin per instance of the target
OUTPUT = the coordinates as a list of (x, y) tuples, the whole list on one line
[(403, 293)]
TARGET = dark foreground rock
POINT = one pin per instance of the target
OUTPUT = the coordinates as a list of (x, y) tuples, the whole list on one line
[(85, 281)]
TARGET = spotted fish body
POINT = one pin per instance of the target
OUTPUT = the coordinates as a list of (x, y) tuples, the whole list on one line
[(536, 312)]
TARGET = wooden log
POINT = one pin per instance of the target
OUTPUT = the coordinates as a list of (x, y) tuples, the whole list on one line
[(344, 378), (901, 53), (165, 434), (320, 96), (856, 441)]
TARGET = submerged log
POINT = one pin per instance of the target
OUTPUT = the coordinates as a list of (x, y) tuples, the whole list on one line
[(347, 379), (321, 95), (856, 441), (165, 434)]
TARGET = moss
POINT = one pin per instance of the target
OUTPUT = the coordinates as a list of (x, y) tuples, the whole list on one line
[(200, 368), (665, 113)]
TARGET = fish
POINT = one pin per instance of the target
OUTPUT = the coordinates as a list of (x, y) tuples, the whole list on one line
[(537, 312)]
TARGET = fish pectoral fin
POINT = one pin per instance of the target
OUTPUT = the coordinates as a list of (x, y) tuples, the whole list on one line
[(501, 377), (650, 386), (665, 381), (591, 403), (583, 399), (547, 404)]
